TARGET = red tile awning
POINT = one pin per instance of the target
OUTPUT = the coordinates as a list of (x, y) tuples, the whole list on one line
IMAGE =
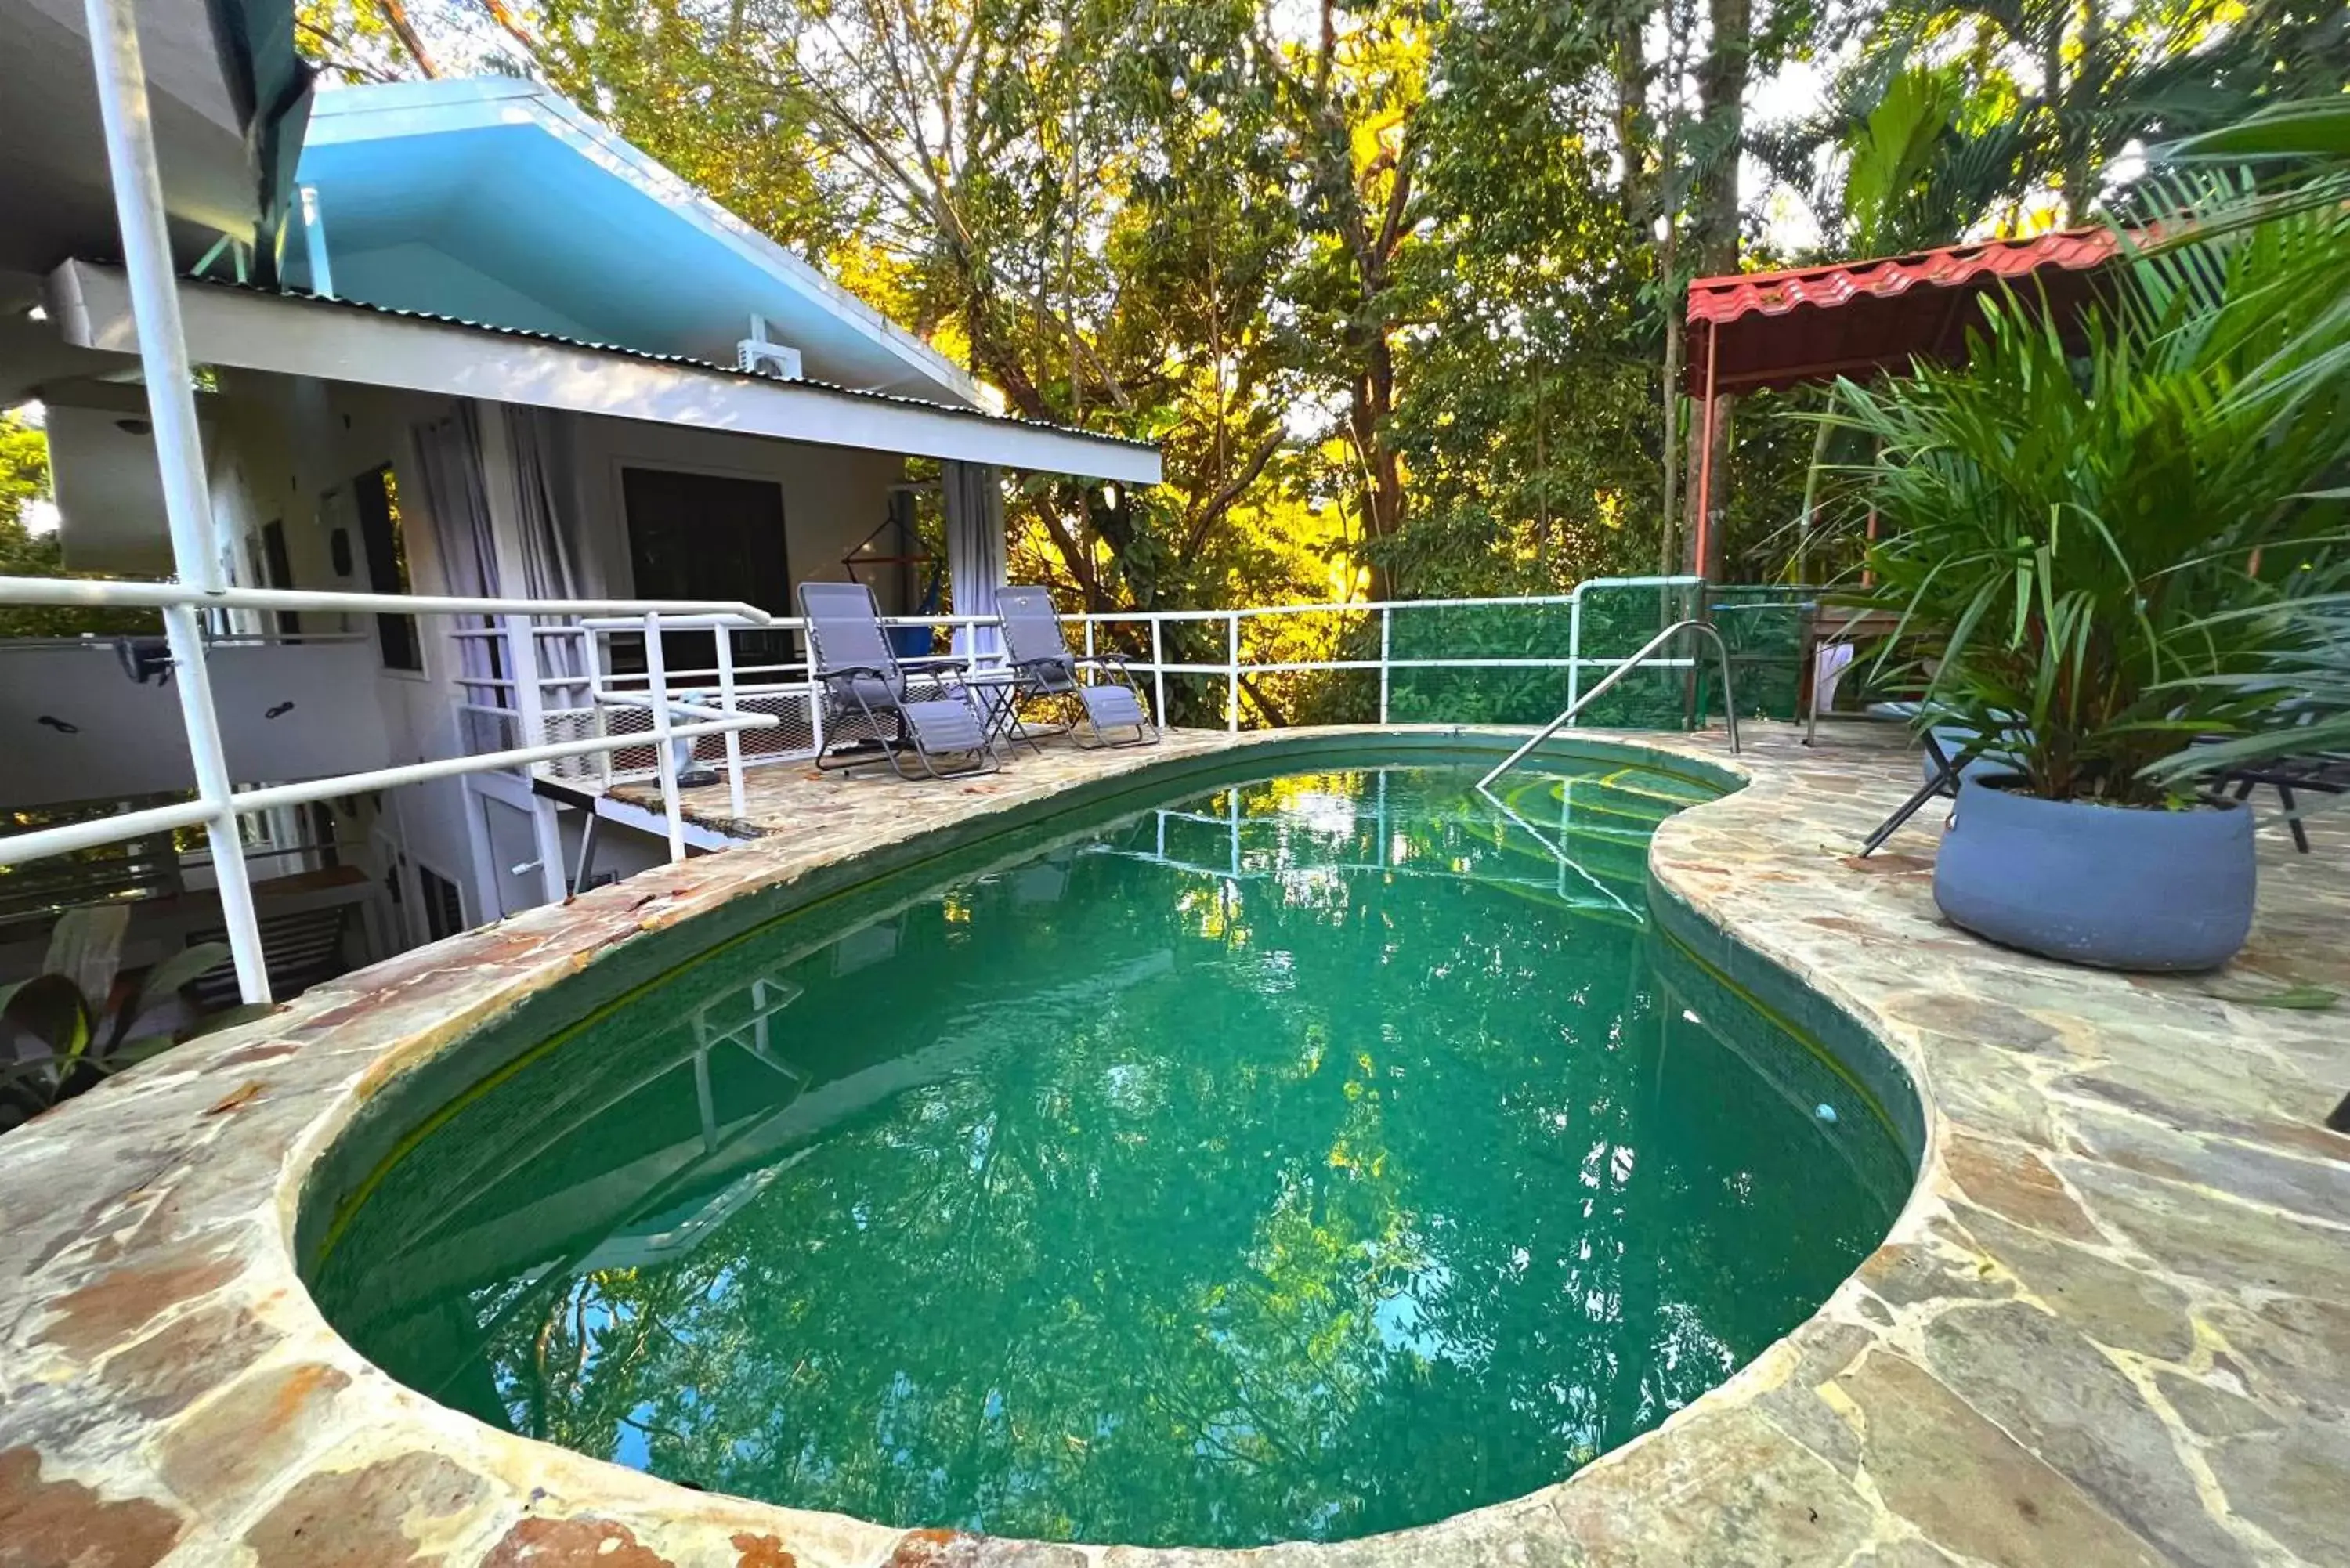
[(1854, 318)]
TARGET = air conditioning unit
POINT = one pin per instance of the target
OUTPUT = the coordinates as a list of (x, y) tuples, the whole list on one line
[(758, 355)]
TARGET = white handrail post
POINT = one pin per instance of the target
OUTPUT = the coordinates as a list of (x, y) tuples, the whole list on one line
[(1232, 668), (147, 266), (1387, 644), (233, 884), (597, 647), (522, 658), (1574, 648), (657, 678), (1158, 671), (725, 630), (530, 717), (1089, 650)]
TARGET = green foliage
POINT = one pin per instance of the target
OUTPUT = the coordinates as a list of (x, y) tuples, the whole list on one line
[(1394, 285), (2128, 551), (80, 1021), (1949, 117)]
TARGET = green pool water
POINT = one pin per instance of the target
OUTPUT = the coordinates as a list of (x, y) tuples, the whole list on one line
[(1301, 1158)]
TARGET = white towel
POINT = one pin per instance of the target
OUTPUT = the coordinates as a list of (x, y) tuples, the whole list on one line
[(1828, 667)]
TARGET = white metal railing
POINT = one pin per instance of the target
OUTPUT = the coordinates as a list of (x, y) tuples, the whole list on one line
[(218, 804), (1646, 656), (1235, 668), (592, 694), (540, 690), (637, 707)]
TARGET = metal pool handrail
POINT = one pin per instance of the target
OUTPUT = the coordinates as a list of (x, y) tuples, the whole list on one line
[(1729, 702)]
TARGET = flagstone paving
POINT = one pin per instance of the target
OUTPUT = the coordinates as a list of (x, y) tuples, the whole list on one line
[(2112, 1326)]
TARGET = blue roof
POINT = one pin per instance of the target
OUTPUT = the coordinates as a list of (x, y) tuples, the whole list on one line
[(497, 201)]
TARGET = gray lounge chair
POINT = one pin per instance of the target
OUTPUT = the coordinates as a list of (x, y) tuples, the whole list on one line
[(1042, 665), (870, 712)]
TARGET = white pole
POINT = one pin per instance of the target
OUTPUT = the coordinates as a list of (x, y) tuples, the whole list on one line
[(1158, 673), (1575, 647), (530, 717), (1387, 644), (1232, 667), (726, 706), (232, 883), (657, 676), (178, 449)]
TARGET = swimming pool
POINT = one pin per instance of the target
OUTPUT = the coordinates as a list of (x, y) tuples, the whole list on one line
[(1298, 1158)]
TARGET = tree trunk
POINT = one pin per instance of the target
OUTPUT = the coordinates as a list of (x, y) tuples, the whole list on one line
[(395, 17), (2080, 95), (1709, 474), (1676, 331), (1714, 229)]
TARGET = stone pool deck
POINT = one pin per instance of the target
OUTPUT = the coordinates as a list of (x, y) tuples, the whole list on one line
[(2112, 1326)]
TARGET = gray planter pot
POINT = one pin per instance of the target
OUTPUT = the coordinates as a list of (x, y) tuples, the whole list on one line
[(2102, 884)]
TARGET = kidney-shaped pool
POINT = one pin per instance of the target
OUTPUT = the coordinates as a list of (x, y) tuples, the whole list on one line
[(1298, 1159)]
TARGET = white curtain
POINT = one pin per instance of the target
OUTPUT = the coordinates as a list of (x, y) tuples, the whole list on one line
[(975, 565), (449, 459), (550, 560), (548, 554), (449, 466), (463, 541)]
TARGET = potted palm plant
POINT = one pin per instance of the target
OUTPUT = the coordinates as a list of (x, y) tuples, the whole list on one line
[(2123, 541)]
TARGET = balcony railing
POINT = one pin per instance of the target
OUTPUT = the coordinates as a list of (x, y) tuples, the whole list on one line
[(544, 688), (585, 683)]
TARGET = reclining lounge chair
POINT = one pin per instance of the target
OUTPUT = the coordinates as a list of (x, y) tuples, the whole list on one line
[(1040, 665), (870, 711)]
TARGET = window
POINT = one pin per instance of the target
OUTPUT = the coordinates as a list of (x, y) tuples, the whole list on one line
[(444, 912), (377, 496), (707, 536)]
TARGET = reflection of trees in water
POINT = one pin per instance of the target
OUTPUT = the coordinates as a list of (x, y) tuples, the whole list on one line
[(1339, 1211)]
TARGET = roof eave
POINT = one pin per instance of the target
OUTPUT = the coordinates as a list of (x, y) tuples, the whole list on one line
[(339, 341)]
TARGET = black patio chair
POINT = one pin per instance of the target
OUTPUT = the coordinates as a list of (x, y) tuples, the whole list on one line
[(871, 713), (2318, 773)]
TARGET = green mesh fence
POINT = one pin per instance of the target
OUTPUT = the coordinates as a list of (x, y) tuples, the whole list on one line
[(1479, 696), (1763, 624)]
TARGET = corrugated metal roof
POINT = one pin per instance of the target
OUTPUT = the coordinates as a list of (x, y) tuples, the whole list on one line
[(1778, 328), (700, 366), (1776, 293)]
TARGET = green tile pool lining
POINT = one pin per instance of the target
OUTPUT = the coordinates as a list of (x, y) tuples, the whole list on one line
[(821, 918), (388, 1119)]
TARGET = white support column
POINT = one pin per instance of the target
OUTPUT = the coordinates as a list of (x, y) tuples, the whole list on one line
[(1575, 647), (1157, 674), (178, 449), (1232, 672), (724, 636), (657, 683), (1386, 645), (530, 717)]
